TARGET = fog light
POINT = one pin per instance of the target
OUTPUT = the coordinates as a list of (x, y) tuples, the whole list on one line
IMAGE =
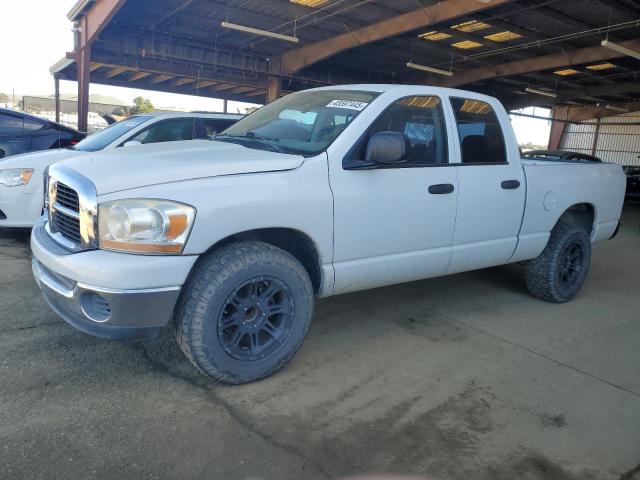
[(95, 307)]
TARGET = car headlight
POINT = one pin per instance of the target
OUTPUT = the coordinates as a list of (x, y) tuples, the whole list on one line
[(144, 226), (15, 177)]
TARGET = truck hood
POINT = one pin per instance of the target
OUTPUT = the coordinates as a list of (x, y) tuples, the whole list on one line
[(38, 160), (139, 166)]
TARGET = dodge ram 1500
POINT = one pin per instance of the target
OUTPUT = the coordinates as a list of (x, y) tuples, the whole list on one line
[(322, 192)]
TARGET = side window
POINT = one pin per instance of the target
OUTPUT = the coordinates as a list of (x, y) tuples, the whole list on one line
[(10, 125), (481, 137), (168, 131), (32, 125), (214, 125), (422, 120)]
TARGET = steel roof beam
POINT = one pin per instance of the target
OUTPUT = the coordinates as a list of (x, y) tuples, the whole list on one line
[(160, 78), (545, 62), (580, 114), (430, 15), (138, 76), (567, 94), (116, 71)]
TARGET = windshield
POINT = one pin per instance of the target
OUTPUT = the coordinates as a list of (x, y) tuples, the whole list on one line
[(303, 123), (100, 140)]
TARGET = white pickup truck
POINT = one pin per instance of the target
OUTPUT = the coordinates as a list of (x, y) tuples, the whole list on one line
[(319, 193)]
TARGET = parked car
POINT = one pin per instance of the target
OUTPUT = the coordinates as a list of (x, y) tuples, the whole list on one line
[(21, 177), (633, 182), (319, 193), (560, 156), (21, 132)]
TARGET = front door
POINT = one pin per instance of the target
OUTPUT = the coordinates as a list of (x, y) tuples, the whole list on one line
[(395, 224)]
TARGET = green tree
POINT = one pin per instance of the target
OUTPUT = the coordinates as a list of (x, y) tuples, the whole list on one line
[(4, 98), (142, 105)]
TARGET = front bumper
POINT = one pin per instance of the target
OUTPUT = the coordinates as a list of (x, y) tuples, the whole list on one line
[(131, 311)]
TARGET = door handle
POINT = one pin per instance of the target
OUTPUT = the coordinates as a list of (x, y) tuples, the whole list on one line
[(510, 184), (441, 188)]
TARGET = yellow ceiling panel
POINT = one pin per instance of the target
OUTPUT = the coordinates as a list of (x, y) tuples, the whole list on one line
[(471, 26), (434, 36), (601, 66), (466, 44), (503, 36), (309, 3), (566, 71)]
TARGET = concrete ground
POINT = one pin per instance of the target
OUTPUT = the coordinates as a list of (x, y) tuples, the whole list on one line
[(463, 377)]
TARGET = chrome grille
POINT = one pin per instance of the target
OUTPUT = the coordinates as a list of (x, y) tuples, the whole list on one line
[(67, 197), (72, 209), (66, 213)]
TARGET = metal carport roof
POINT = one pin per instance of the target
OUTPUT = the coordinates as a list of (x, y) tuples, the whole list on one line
[(526, 52)]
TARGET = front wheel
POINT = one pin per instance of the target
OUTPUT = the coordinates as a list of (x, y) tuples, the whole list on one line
[(560, 271), (244, 311)]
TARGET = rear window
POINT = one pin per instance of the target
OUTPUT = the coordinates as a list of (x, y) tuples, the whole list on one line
[(479, 131)]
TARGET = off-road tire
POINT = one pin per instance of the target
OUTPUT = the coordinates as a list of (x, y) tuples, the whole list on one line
[(201, 306), (543, 275)]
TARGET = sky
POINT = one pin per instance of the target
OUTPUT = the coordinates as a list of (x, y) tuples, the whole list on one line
[(24, 64)]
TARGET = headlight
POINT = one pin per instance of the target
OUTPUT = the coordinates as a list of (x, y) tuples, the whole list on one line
[(144, 226), (15, 177)]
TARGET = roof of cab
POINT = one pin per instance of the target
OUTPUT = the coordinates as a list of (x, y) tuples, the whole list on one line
[(382, 87)]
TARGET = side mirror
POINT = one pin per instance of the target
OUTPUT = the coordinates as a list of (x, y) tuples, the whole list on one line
[(387, 148), (132, 142)]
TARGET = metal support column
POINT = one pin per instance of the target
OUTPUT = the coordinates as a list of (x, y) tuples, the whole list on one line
[(56, 82), (84, 72), (557, 127), (595, 137), (274, 89)]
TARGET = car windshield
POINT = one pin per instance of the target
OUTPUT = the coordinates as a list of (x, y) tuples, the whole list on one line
[(100, 140), (300, 123)]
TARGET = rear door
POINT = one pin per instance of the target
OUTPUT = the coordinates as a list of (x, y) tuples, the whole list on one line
[(492, 187)]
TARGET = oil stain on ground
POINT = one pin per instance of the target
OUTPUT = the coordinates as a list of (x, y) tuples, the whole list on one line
[(432, 326)]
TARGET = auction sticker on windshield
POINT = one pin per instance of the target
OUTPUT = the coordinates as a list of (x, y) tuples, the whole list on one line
[(348, 104)]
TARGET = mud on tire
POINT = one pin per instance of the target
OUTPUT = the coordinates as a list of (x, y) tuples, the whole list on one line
[(244, 311), (560, 271)]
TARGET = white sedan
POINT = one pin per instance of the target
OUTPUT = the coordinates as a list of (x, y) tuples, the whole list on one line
[(21, 176)]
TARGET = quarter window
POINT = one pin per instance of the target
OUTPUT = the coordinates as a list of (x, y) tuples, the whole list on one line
[(479, 131), (421, 119)]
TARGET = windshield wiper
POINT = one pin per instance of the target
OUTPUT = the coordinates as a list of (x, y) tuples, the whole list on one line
[(252, 138), (248, 135)]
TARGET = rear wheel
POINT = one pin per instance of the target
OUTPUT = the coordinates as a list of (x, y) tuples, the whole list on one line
[(560, 271), (244, 311)]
